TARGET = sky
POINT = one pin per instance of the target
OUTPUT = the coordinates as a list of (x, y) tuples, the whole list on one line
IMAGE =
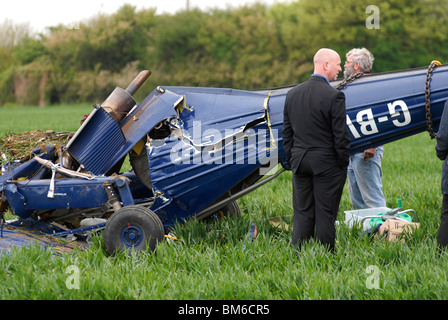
[(44, 13)]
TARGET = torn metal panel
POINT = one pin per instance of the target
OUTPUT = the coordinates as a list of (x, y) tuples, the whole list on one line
[(213, 152), (159, 106), (218, 117)]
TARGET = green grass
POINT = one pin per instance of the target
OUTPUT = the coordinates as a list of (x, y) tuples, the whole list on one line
[(17, 119), (217, 261)]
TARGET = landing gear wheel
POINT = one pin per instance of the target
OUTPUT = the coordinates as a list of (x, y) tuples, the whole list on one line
[(133, 228)]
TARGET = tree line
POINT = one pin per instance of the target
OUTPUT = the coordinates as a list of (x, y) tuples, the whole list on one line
[(247, 47)]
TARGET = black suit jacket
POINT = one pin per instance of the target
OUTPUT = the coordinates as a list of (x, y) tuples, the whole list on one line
[(314, 123)]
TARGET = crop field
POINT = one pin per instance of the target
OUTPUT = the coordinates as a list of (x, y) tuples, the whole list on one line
[(217, 261)]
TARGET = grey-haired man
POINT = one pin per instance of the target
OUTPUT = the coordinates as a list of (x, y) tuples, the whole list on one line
[(364, 170)]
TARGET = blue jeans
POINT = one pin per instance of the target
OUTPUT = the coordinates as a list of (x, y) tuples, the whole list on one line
[(364, 180)]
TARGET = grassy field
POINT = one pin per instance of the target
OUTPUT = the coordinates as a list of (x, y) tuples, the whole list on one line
[(218, 261)]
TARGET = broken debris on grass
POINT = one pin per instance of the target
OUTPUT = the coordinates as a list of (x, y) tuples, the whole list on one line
[(20, 146)]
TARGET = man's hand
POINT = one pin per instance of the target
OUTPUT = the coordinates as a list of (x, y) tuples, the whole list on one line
[(369, 153)]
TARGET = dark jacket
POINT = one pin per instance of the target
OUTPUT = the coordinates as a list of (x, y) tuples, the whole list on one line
[(314, 123), (442, 147)]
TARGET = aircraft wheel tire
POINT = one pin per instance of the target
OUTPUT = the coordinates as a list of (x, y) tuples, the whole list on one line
[(133, 228)]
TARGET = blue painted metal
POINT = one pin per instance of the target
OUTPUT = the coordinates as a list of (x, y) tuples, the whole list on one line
[(100, 139), (132, 236), (387, 107), (17, 239), (79, 230), (27, 196), (125, 192), (28, 232), (101, 142), (14, 239), (221, 139), (188, 180), (25, 169)]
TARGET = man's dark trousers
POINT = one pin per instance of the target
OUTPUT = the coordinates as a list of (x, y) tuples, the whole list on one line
[(323, 190), (442, 235)]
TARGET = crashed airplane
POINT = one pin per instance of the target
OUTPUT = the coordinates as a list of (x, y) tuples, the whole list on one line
[(194, 151)]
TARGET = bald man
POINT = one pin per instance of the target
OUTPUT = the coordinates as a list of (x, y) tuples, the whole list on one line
[(317, 146)]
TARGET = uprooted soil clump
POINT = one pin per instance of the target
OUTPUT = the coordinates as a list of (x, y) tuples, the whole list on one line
[(20, 146)]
